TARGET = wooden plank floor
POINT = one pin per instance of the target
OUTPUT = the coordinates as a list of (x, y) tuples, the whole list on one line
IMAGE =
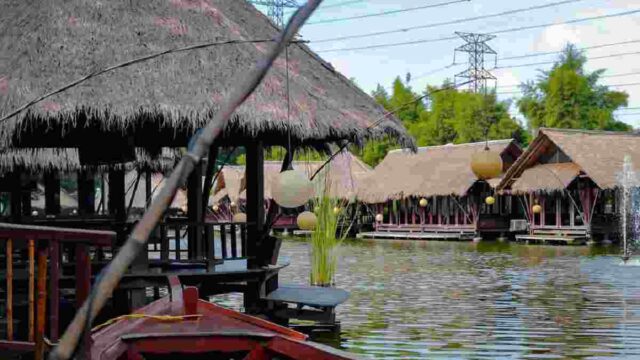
[(414, 235), (552, 239)]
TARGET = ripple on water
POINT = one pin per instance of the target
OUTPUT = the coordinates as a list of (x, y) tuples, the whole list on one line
[(448, 300)]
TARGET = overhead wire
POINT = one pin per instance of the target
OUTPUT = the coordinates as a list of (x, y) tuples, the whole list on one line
[(553, 62), (450, 22), (558, 52), (388, 12), (516, 29)]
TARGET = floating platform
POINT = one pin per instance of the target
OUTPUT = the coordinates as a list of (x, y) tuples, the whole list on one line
[(415, 235), (552, 239)]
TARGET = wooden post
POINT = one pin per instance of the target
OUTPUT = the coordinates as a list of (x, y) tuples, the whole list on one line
[(83, 274), (255, 201), (9, 259), (147, 189), (25, 198), (86, 193), (51, 193), (32, 264), (42, 301), (116, 195), (208, 179), (16, 199), (54, 303), (194, 213)]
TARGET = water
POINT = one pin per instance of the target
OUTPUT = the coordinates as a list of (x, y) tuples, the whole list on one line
[(448, 300)]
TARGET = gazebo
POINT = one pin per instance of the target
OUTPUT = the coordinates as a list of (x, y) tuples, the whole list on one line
[(161, 103)]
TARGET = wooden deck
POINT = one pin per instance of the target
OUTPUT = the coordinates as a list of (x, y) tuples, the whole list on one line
[(415, 235), (549, 235)]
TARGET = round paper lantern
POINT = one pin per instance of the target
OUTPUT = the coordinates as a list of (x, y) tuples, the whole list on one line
[(216, 208), (34, 213), (240, 218), (336, 210), (490, 200), (486, 164), (307, 220), (423, 202), (232, 204), (292, 189), (74, 212), (379, 218), (537, 209)]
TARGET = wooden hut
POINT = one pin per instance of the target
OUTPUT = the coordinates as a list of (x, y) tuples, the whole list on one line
[(572, 175), (162, 103), (441, 176)]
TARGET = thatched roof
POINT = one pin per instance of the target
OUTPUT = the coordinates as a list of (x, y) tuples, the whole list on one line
[(47, 45), (433, 171), (598, 154), (546, 177), (37, 161), (341, 177)]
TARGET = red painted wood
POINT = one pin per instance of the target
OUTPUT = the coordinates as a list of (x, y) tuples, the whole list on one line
[(54, 302), (190, 298), (83, 274), (25, 232), (258, 353), (17, 345), (9, 304), (194, 344), (42, 301), (304, 350)]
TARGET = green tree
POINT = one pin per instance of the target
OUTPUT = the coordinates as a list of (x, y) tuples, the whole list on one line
[(567, 96)]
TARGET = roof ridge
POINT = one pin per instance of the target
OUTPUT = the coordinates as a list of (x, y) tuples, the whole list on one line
[(589, 132), (500, 141)]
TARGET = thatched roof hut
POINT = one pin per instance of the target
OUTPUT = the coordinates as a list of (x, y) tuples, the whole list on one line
[(558, 156), (340, 178), (46, 46), (38, 161), (432, 171)]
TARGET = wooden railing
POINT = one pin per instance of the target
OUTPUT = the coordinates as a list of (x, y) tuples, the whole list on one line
[(34, 259), (179, 240)]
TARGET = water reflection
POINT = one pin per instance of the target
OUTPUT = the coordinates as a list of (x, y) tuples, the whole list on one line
[(488, 300)]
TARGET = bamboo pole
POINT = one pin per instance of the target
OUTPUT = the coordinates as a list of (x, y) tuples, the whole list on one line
[(42, 302), (137, 241), (9, 258), (32, 267)]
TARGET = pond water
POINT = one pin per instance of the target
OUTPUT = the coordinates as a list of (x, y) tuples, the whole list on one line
[(453, 300)]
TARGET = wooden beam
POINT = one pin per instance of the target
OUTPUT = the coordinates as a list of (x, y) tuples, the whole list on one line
[(9, 278), (116, 194), (42, 301), (208, 179), (255, 201), (32, 263), (194, 213), (52, 193), (54, 303), (86, 193)]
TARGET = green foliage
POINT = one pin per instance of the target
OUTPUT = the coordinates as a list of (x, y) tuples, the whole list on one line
[(569, 97), (453, 116), (324, 242)]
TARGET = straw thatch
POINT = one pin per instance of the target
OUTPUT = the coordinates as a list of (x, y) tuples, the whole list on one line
[(47, 45), (37, 161), (546, 178), (433, 171), (598, 154), (340, 178)]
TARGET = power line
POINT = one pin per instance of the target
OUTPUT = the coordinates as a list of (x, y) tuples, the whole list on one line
[(602, 76), (390, 12), (612, 85), (451, 22), (553, 62), (558, 52), (521, 28), (344, 3)]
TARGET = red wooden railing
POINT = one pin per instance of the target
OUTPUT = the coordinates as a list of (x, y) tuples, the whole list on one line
[(48, 249)]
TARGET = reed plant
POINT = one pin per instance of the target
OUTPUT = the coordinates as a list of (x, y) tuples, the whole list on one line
[(324, 240)]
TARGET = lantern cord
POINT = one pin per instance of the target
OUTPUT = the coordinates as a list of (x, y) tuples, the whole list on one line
[(289, 153)]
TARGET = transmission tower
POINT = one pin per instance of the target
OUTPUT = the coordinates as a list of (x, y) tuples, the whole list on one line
[(476, 46), (276, 8)]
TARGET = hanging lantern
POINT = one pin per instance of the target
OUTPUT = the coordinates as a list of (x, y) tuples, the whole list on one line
[(216, 208), (34, 213), (291, 189), (486, 164), (537, 209), (379, 218), (490, 200), (240, 218), (74, 212), (307, 220), (423, 202), (232, 204), (336, 210)]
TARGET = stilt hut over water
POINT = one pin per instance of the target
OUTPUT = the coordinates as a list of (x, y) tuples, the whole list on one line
[(567, 184), (435, 194), (161, 103)]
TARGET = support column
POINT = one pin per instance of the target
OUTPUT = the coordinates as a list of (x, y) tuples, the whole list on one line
[(116, 195), (255, 201), (147, 188), (86, 193), (194, 212), (51, 193), (25, 198)]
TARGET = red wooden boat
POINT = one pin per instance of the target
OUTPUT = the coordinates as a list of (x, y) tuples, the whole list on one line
[(181, 325)]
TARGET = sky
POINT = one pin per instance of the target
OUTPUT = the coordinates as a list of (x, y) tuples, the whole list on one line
[(430, 62)]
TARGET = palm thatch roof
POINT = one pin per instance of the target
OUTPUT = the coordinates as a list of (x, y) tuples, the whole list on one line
[(340, 178), (48, 45), (546, 178), (432, 171), (37, 161), (597, 154)]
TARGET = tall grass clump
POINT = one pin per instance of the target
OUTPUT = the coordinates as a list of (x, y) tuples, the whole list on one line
[(324, 240)]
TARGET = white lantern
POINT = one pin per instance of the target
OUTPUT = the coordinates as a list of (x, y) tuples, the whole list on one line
[(292, 189), (379, 218), (232, 204), (336, 210), (74, 212), (240, 218), (307, 220), (34, 213), (490, 200), (423, 202), (216, 208)]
